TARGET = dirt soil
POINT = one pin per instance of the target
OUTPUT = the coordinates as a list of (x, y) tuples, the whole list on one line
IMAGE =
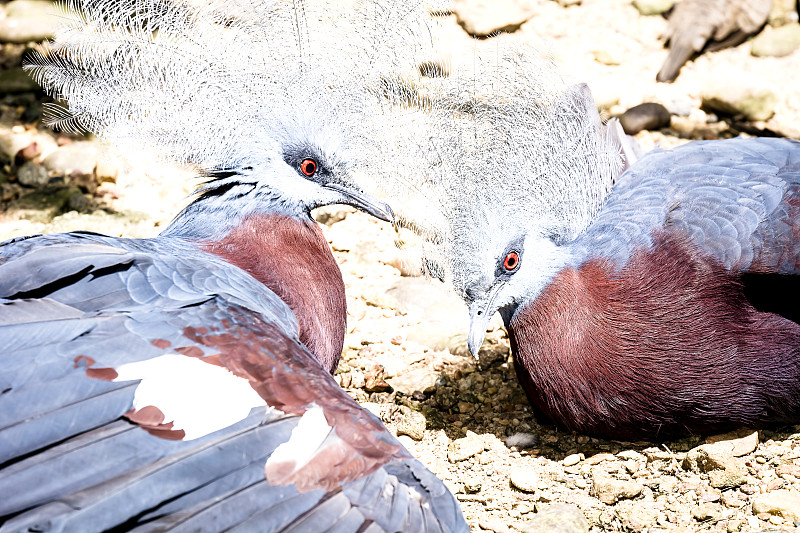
[(469, 420)]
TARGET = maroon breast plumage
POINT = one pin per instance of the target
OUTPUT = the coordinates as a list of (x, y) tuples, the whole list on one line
[(293, 259), (667, 345)]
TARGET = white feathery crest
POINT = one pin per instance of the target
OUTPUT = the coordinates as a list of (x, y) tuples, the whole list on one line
[(218, 83), (508, 147)]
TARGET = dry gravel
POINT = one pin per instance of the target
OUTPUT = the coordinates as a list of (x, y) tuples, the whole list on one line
[(468, 420)]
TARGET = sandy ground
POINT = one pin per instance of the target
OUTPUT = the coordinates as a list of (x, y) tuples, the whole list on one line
[(457, 414)]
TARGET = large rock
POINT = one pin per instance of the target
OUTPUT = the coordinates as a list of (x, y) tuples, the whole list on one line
[(647, 116), (741, 442), (717, 460), (735, 96), (777, 42), (12, 142), (610, 490), (637, 516), (78, 158), (558, 518), (32, 174), (462, 449), (785, 503), (85, 163), (444, 317), (417, 380), (526, 480), (484, 17), (28, 20)]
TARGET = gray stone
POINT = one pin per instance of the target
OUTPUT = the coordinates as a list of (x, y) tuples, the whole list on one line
[(44, 204), (610, 490), (484, 17), (707, 512), (785, 503), (777, 42), (410, 422), (637, 516), (79, 158), (741, 442), (11, 143), (734, 96), (717, 460), (648, 116), (16, 80), (445, 319), (653, 7), (32, 174), (28, 20), (77, 201), (525, 480), (419, 379), (557, 518), (462, 449)]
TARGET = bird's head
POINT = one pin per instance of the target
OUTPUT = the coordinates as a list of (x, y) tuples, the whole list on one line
[(308, 159), (520, 163), (504, 273), (271, 100)]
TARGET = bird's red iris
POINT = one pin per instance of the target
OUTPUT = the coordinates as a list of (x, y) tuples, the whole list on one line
[(511, 261), (308, 167)]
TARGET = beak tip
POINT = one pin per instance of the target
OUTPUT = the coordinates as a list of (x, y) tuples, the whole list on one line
[(388, 215), (474, 347)]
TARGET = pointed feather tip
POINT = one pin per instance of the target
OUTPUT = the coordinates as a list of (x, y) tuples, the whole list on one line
[(163, 69), (509, 141)]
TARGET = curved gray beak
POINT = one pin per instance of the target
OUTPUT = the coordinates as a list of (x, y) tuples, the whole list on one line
[(480, 314), (363, 201)]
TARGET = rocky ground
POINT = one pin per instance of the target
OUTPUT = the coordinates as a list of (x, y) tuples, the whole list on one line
[(405, 356)]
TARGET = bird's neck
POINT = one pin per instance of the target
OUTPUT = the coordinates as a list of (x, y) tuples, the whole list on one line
[(668, 344), (292, 258)]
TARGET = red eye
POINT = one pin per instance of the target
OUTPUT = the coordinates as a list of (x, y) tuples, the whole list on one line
[(511, 262), (308, 167)]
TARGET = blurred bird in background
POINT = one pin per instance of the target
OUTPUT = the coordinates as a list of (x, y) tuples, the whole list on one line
[(184, 382), (644, 298), (697, 26)]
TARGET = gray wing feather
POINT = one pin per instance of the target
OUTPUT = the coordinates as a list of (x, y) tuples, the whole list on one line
[(69, 463), (733, 199)]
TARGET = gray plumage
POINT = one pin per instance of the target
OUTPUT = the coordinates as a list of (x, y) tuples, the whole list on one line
[(695, 25), (726, 196), (161, 384), (108, 472), (645, 298)]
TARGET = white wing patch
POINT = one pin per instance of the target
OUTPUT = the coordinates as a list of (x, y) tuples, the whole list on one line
[(305, 441), (197, 397)]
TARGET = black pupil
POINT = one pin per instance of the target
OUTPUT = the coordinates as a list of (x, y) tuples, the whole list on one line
[(511, 261), (308, 167)]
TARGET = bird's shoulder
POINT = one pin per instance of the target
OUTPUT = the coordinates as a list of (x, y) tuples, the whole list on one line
[(724, 196)]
